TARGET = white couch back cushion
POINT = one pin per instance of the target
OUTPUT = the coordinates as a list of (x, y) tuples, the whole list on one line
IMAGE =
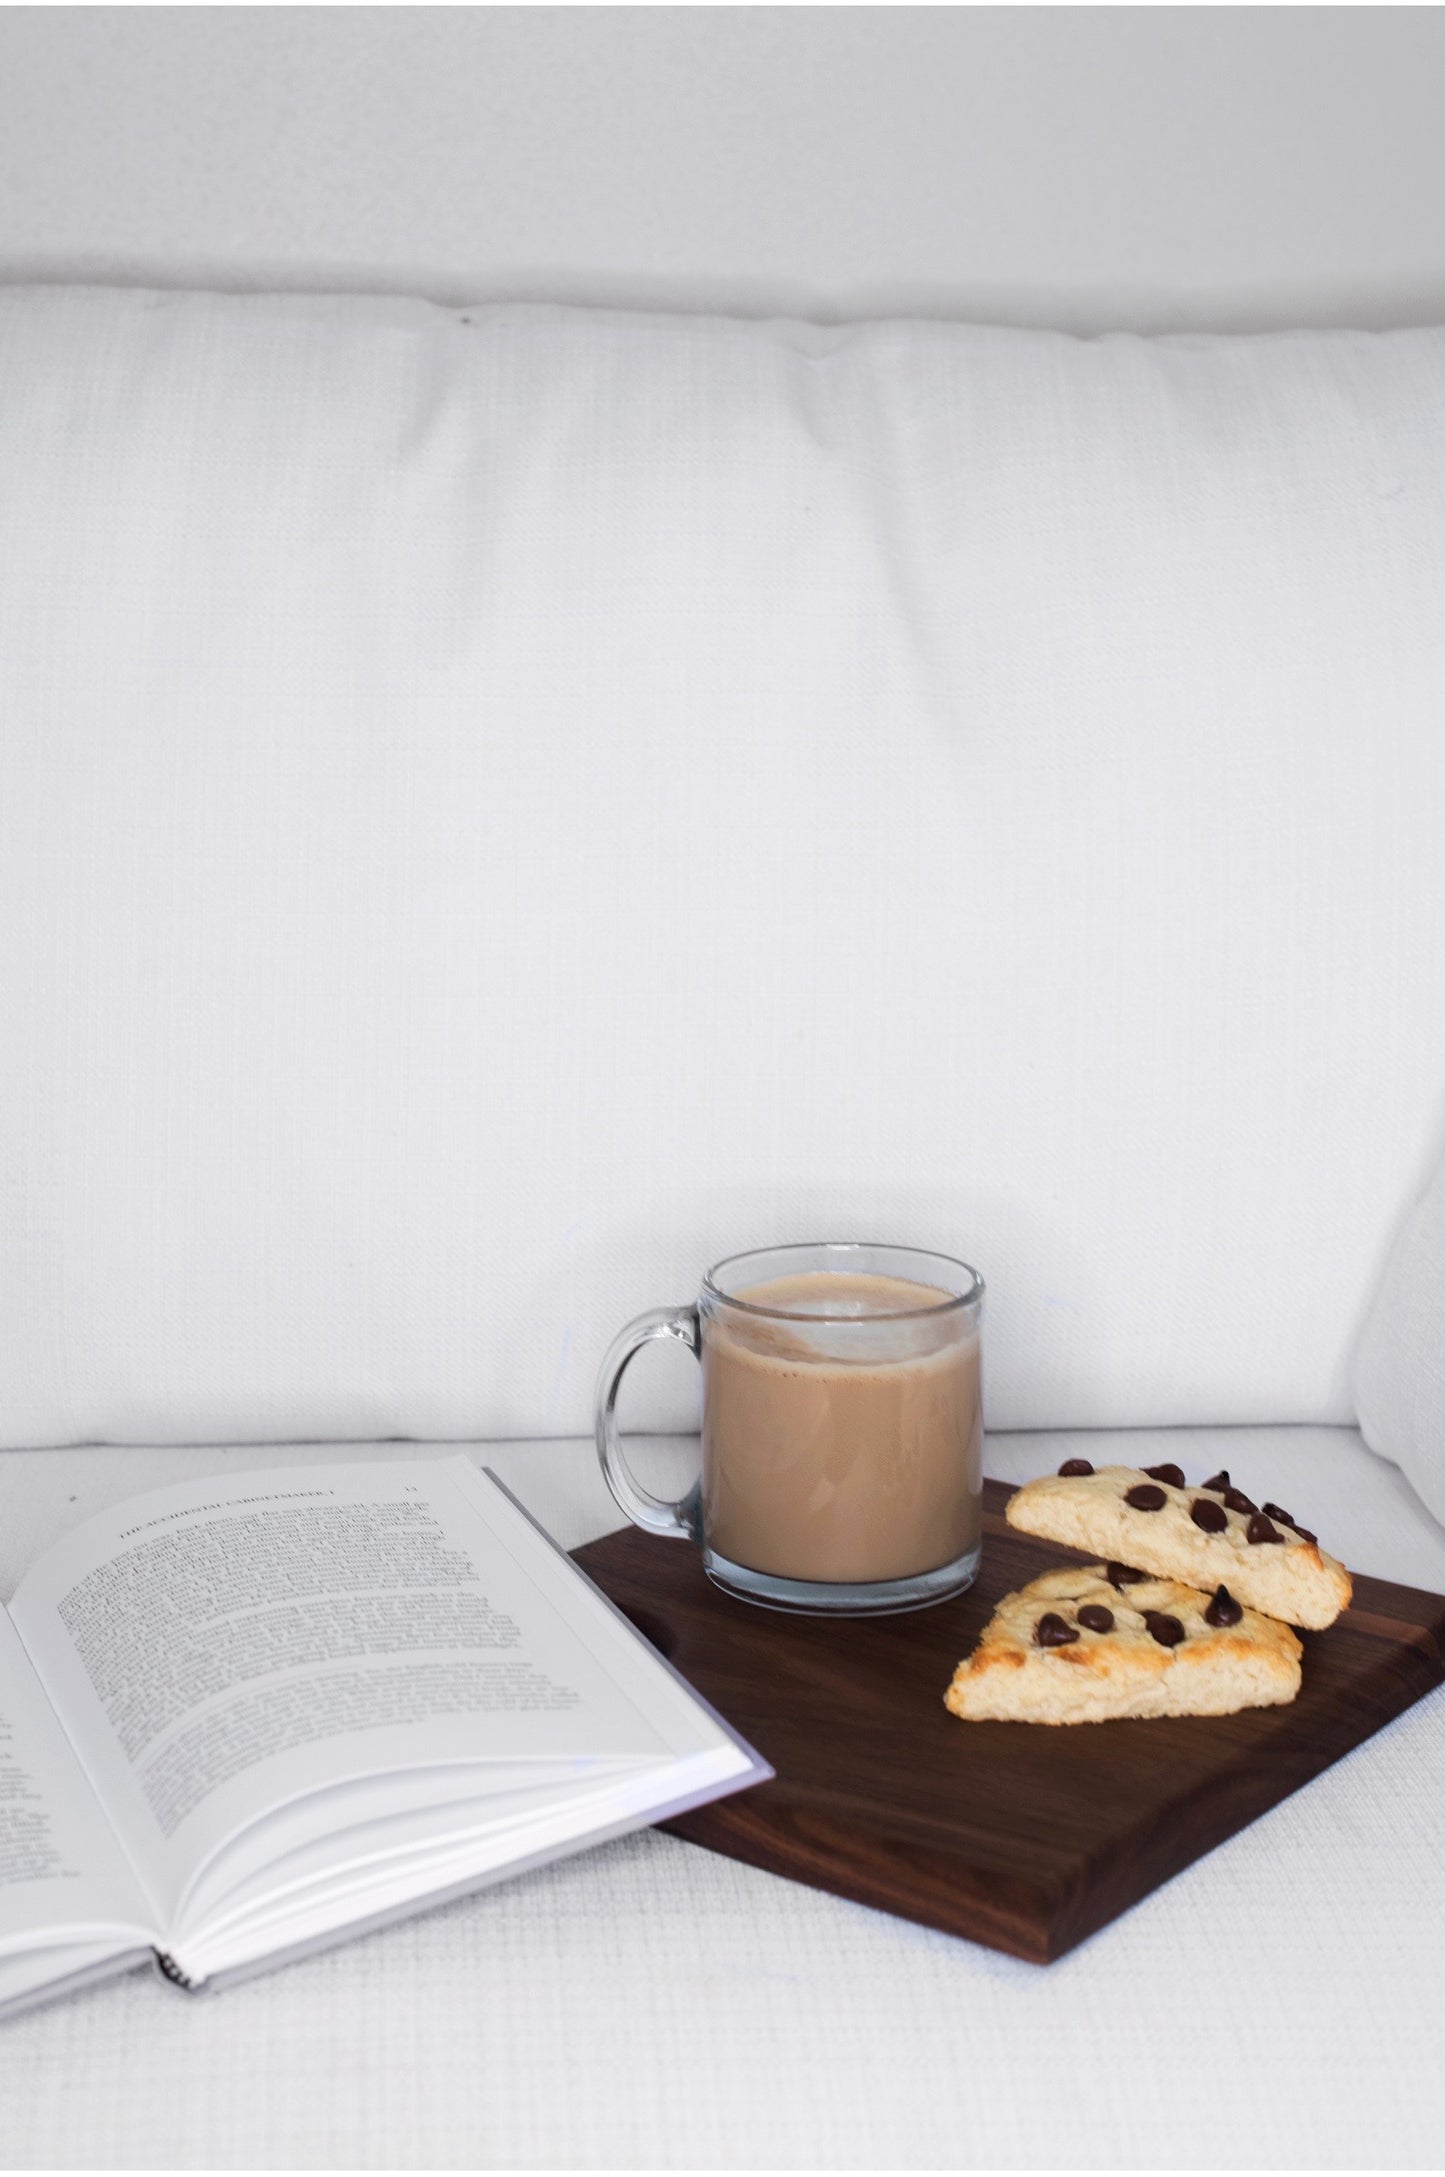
[(498, 808)]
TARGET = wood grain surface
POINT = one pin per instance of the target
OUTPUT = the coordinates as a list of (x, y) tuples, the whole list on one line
[(1016, 1835)]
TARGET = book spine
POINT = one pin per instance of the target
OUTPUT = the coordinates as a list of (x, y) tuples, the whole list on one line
[(168, 1969)]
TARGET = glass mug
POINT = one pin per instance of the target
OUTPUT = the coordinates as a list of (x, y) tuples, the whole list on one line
[(842, 1426)]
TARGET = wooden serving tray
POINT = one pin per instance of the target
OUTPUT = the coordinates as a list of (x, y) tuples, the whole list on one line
[(1020, 1836)]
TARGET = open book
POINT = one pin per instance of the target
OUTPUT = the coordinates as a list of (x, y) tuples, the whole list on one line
[(242, 1718)]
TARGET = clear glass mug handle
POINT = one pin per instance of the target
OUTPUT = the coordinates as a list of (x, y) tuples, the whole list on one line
[(641, 1507)]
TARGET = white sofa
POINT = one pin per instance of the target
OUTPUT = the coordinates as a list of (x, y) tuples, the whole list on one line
[(500, 808)]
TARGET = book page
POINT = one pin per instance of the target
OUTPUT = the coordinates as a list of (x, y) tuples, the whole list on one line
[(222, 1649), (63, 1878)]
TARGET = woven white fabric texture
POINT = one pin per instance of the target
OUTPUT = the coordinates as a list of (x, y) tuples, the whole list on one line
[(649, 2005), (501, 807), (1400, 1362)]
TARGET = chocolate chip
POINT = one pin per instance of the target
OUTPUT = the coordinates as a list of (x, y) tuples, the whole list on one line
[(1097, 1618), (1210, 1516), (1052, 1632), (1261, 1529), (1077, 1466), (1219, 1481), (1239, 1502), (1122, 1575), (1174, 1475), (1223, 1610), (1274, 1511), (1305, 1535), (1146, 1497), (1166, 1630)]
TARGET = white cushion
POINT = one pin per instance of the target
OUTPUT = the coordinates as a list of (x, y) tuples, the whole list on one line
[(1400, 1362), (653, 2006), (498, 808)]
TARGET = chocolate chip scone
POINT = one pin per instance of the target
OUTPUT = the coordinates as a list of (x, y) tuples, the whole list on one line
[(1091, 1642), (1210, 1536)]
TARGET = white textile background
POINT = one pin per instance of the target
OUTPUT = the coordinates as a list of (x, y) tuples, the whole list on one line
[(654, 2006), (499, 808)]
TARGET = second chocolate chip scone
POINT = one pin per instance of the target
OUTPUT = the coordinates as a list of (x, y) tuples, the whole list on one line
[(1090, 1643), (1210, 1536)]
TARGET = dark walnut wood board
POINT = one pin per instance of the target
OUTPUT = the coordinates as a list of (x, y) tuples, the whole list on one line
[(1020, 1836)]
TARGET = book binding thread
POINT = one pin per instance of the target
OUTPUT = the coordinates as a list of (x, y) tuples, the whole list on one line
[(169, 1970)]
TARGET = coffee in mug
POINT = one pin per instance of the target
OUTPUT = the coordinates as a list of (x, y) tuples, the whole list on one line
[(842, 1426)]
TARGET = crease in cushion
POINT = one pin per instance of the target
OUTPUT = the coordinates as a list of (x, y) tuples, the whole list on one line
[(500, 808), (1400, 1361)]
